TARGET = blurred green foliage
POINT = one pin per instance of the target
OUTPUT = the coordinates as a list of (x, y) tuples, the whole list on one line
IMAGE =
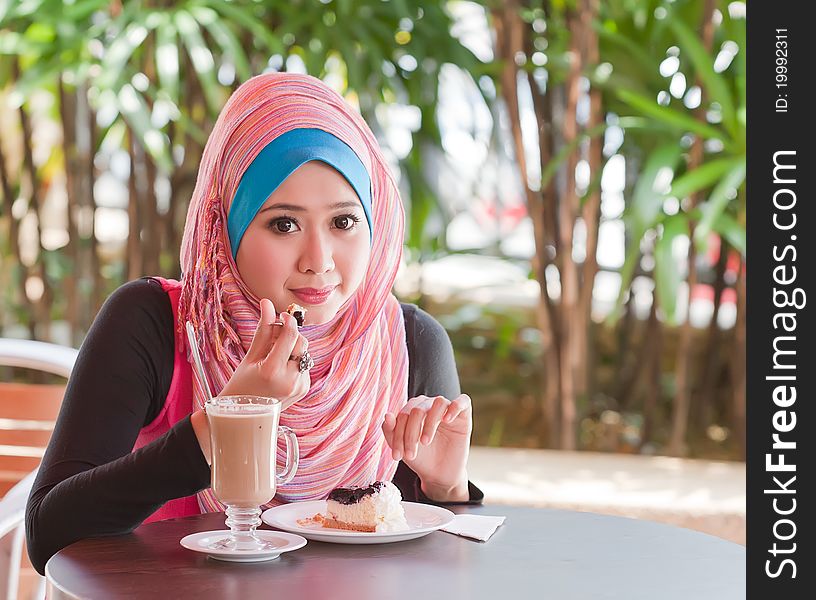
[(154, 74)]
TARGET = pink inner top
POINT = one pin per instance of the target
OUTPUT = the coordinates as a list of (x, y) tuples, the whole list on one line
[(177, 405)]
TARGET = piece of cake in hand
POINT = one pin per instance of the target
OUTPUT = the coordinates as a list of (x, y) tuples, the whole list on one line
[(297, 311), (375, 508)]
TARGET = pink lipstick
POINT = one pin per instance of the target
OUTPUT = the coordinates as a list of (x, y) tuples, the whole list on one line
[(313, 296)]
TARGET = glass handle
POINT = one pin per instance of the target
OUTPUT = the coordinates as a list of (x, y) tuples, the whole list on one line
[(292, 455)]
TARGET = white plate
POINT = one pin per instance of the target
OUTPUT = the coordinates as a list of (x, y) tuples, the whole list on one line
[(422, 520), (284, 542)]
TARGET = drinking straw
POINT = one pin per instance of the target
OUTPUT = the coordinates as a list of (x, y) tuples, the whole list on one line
[(191, 338)]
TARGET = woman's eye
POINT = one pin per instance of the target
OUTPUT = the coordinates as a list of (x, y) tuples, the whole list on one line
[(345, 221), (282, 225)]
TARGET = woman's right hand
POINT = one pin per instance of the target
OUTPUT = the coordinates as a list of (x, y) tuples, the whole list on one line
[(267, 369)]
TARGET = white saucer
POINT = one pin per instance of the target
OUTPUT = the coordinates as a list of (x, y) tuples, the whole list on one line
[(422, 519), (284, 542)]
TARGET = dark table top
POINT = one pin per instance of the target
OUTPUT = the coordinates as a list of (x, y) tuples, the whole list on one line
[(537, 553)]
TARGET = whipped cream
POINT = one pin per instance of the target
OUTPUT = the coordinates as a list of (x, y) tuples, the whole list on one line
[(378, 506), (388, 509)]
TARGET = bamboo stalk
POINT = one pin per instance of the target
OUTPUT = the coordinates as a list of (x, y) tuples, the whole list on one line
[(152, 232), (738, 366), (682, 396), (510, 40), (98, 288), (134, 254), (67, 109), (42, 307), (14, 244), (543, 214), (152, 244), (591, 210), (653, 340), (182, 180), (627, 368), (711, 365), (567, 214)]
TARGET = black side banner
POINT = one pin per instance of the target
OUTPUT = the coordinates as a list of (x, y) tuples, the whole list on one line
[(781, 298)]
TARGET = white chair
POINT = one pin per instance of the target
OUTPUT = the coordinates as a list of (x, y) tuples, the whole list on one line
[(42, 356), (50, 358), (12, 538)]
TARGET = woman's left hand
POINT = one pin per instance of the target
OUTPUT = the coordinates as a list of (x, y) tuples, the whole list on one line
[(432, 437)]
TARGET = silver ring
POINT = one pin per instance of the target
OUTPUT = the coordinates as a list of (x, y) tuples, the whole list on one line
[(304, 361)]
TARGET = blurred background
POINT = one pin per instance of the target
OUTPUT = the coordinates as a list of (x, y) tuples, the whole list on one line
[(572, 172)]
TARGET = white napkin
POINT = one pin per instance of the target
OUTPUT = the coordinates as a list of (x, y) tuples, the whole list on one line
[(477, 527)]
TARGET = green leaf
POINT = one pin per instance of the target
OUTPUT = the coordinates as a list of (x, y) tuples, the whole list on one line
[(41, 75), (738, 31), (422, 200), (627, 273), (181, 118), (627, 123), (646, 63), (167, 60), (373, 52), (669, 116), (644, 213), (12, 43), (647, 198), (703, 176), (83, 9), (714, 83), (728, 227), (667, 273), (25, 9), (40, 32), (120, 51), (134, 109), (201, 57), (720, 196), (223, 35), (348, 51), (245, 18)]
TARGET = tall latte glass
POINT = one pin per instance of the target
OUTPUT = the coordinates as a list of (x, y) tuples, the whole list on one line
[(244, 433)]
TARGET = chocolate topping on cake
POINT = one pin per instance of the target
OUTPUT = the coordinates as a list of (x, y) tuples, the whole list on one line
[(355, 494)]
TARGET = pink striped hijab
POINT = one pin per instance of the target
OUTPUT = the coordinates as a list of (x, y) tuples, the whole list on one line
[(361, 360)]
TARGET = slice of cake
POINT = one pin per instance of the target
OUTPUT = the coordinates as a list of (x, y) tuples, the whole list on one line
[(297, 311), (376, 508)]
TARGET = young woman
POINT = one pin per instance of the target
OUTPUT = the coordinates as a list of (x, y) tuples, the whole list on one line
[(294, 203)]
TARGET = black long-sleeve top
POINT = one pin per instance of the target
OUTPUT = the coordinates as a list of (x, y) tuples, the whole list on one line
[(91, 484)]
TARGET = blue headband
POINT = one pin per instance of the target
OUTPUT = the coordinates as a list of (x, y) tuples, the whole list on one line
[(279, 159)]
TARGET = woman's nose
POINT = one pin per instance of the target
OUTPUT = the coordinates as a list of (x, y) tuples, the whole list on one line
[(317, 255)]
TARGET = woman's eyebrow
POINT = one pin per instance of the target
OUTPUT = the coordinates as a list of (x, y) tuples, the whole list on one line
[(297, 208)]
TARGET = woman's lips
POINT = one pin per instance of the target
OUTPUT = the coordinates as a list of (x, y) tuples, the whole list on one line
[(313, 296)]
